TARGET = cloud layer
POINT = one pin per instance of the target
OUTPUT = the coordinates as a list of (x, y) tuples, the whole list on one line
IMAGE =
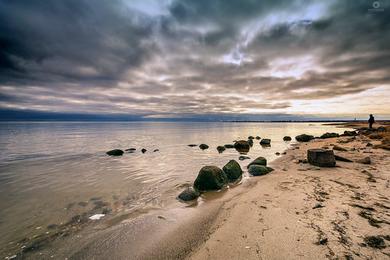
[(182, 57)]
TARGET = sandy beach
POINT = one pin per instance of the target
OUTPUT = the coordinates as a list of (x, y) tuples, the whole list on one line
[(301, 211)]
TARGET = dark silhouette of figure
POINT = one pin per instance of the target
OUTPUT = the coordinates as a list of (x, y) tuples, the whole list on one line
[(371, 121)]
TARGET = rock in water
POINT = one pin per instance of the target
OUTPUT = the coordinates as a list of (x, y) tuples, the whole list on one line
[(242, 146), (210, 178), (258, 137), (250, 141), (203, 146), (242, 157), (304, 138), (321, 157), (192, 145), (365, 160), (130, 150), (220, 148), (189, 194), (258, 170), (232, 170), (349, 133), (143, 150), (250, 137), (258, 161), (287, 138), (265, 142), (329, 135), (115, 152), (229, 146)]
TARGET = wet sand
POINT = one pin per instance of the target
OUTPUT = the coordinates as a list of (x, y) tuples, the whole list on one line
[(298, 211)]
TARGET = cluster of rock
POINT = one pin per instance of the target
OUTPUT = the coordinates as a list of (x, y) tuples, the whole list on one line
[(212, 178), (119, 152)]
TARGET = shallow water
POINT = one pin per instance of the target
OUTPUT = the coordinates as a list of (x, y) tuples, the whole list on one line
[(52, 171)]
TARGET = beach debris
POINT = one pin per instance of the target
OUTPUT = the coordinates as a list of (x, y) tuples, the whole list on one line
[(192, 145), (221, 148), (339, 148), (265, 142), (375, 242), (340, 158), (329, 135), (115, 152), (203, 146), (258, 170), (365, 160), (242, 146), (304, 138), (232, 170), (321, 157), (229, 146), (243, 157), (96, 216), (210, 178), (258, 161), (143, 150), (188, 194), (287, 138)]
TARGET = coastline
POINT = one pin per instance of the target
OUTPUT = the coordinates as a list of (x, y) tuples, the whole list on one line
[(269, 217)]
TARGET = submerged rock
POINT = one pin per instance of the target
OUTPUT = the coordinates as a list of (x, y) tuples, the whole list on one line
[(329, 135), (189, 194), (258, 161), (321, 157), (115, 152), (210, 178), (265, 142), (220, 148), (258, 137), (243, 157), (242, 146), (192, 145), (304, 138), (258, 170), (287, 138), (232, 170), (143, 150), (203, 146), (131, 150)]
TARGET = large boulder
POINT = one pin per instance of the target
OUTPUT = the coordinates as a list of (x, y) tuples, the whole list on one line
[(189, 194), (115, 152), (321, 157), (210, 178), (304, 138), (329, 135), (287, 138), (258, 161), (203, 146), (242, 146), (232, 170), (258, 170), (265, 141), (220, 148)]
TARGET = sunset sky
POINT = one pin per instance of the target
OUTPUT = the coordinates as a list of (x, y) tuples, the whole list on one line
[(220, 59)]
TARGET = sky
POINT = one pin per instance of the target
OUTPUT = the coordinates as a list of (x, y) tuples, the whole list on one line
[(183, 59)]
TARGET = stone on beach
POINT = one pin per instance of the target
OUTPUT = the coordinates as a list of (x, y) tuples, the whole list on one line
[(203, 146), (258, 161), (210, 178), (229, 146), (258, 137), (265, 142), (365, 160), (242, 145), (287, 138), (232, 170), (321, 157), (329, 135), (220, 148), (189, 194), (258, 170), (115, 152), (143, 150), (192, 145), (304, 138), (250, 137), (339, 148), (243, 157), (130, 150), (341, 158)]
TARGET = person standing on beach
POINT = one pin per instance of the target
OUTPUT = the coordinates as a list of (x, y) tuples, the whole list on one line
[(371, 121)]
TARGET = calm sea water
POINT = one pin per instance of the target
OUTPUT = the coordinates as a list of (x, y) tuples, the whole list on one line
[(52, 171)]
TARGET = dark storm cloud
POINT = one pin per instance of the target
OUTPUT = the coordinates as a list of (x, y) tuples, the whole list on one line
[(190, 57)]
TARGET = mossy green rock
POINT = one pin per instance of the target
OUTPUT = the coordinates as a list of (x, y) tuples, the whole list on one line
[(232, 170), (258, 170), (259, 161), (210, 178)]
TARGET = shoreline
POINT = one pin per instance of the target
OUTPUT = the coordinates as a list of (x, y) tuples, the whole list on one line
[(260, 217)]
